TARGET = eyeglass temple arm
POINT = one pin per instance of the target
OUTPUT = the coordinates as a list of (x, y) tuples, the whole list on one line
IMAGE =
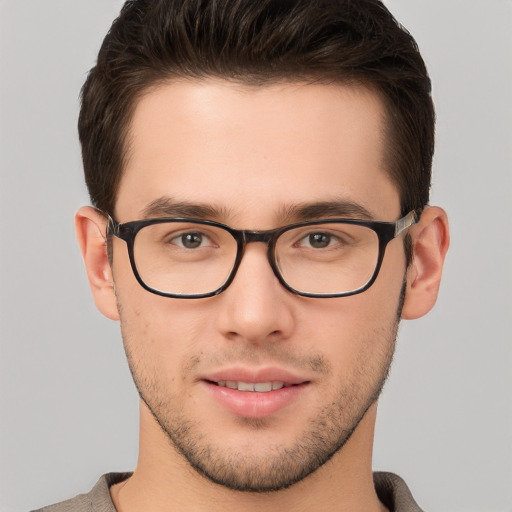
[(406, 222), (112, 225)]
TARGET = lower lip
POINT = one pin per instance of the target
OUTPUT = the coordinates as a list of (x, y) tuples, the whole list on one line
[(253, 404)]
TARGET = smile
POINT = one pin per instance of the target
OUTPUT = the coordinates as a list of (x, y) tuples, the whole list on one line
[(259, 387), (256, 399)]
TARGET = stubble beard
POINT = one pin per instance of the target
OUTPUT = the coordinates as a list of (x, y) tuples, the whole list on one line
[(328, 429)]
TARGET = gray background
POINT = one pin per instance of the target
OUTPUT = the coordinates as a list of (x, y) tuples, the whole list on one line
[(68, 407)]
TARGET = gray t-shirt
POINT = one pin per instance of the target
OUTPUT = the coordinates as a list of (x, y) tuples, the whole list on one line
[(391, 490)]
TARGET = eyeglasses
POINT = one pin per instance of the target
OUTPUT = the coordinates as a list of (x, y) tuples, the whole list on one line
[(191, 258)]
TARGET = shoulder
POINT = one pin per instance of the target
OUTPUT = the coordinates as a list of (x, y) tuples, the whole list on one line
[(394, 493), (96, 500)]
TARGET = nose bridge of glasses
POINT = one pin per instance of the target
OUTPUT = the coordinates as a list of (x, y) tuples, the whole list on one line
[(248, 236), (257, 236), (265, 237)]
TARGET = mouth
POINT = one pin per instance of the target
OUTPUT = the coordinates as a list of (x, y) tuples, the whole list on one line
[(256, 394), (258, 387)]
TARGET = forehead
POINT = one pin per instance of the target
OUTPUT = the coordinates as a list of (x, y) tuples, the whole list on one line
[(256, 149)]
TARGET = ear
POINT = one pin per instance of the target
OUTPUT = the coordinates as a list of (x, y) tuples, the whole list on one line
[(90, 226), (430, 239)]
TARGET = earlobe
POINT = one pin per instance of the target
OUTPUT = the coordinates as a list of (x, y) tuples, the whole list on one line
[(430, 240), (90, 226)]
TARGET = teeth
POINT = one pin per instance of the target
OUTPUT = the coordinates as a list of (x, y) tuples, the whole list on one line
[(263, 386), (245, 386), (260, 387)]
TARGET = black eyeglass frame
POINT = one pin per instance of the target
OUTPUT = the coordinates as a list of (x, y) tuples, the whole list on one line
[(386, 231)]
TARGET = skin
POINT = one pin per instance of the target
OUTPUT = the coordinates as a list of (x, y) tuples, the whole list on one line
[(253, 153)]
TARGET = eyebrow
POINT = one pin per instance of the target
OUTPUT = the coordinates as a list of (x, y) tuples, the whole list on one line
[(339, 208), (168, 207)]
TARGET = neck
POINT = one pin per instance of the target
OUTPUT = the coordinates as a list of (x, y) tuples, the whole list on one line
[(163, 477)]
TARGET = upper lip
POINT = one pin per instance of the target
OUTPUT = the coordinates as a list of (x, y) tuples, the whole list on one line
[(239, 374)]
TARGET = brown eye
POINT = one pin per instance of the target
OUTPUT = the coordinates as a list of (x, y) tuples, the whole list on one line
[(191, 240), (319, 240)]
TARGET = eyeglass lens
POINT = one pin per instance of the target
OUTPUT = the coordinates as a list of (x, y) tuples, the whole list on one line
[(191, 259)]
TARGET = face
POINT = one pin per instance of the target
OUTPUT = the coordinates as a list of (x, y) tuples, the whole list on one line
[(249, 157)]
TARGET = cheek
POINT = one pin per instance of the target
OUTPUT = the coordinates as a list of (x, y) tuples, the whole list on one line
[(159, 334), (163, 325), (360, 330), (169, 327)]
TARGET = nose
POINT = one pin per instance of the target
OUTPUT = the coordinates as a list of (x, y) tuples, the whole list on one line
[(256, 308)]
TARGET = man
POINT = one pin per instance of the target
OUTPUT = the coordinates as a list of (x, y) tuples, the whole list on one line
[(260, 177)]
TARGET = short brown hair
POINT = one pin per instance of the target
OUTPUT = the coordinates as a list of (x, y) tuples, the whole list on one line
[(258, 42)]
